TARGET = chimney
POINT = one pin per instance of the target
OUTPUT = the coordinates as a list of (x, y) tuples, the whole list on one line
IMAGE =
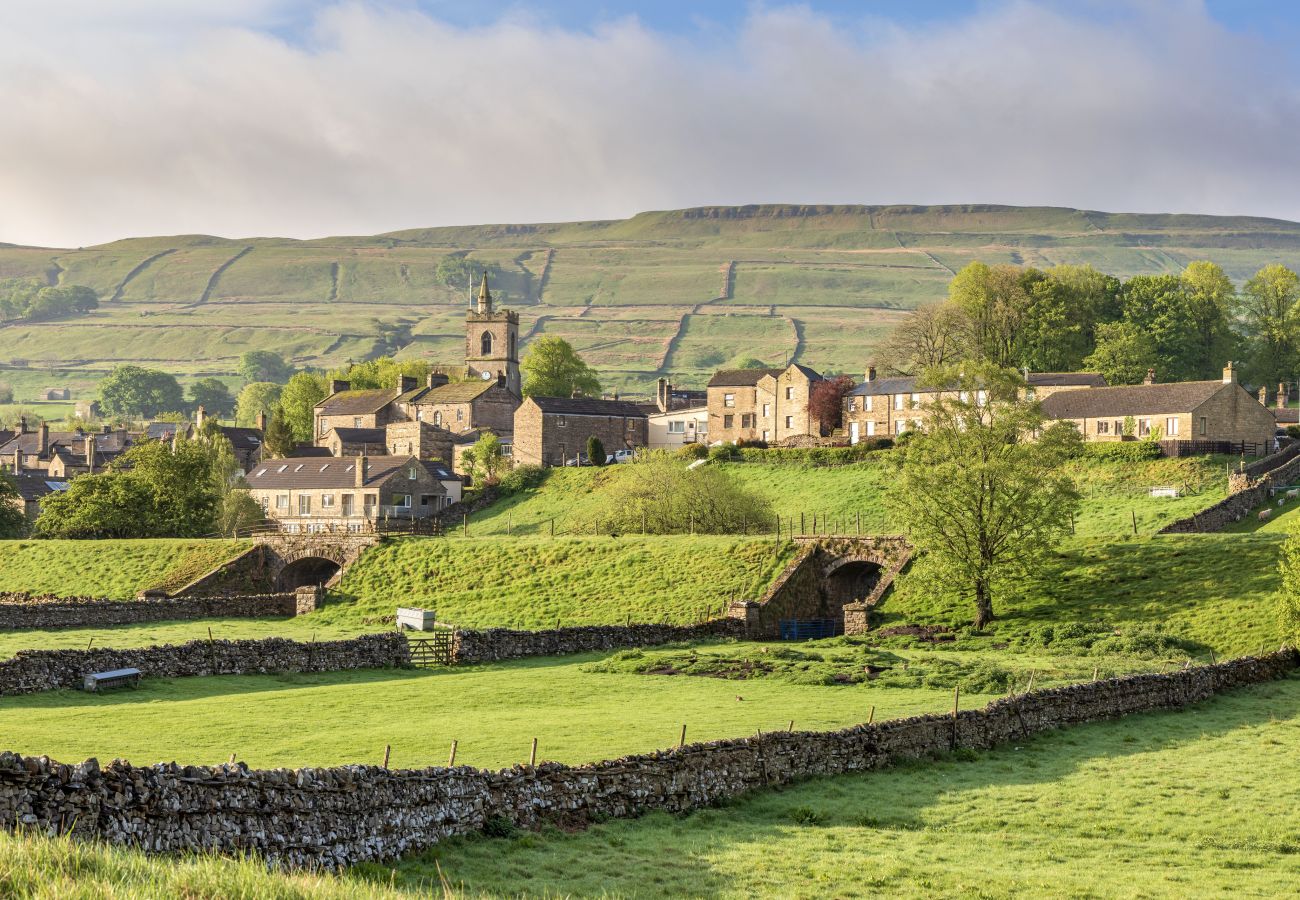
[(90, 454), (406, 383), (18, 461), (362, 470), (1281, 395), (662, 392), (260, 421), (437, 379), (871, 373), (338, 386), (200, 416), (22, 424), (1151, 377), (1263, 395), (1230, 373), (501, 379), (575, 393), (43, 439)]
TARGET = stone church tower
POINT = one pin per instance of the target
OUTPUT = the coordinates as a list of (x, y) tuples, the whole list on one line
[(492, 342)]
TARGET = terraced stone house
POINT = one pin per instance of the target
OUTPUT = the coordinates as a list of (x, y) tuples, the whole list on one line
[(550, 431), (761, 404)]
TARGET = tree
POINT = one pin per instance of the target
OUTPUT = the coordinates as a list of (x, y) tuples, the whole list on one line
[(1066, 304), (1159, 306), (983, 498), (1124, 353), (13, 523), (33, 300), (994, 301), (1272, 322), (135, 392), (298, 401), (257, 397), (487, 458), (236, 510), (551, 368), (595, 451), (110, 505), (1289, 597), (931, 336), (382, 372), (278, 438), (826, 401), (264, 365), (213, 395), (1212, 307), (661, 495)]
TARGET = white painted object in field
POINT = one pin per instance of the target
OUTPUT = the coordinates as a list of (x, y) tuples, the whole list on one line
[(415, 619), (1164, 492)]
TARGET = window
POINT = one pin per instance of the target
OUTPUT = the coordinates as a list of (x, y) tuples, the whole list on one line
[(507, 449), (512, 344), (304, 504), (326, 501), (559, 422), (981, 397), (900, 426), (703, 428), (264, 502), (916, 399), (630, 424), (460, 414), (437, 419), (767, 435), (1103, 427), (1119, 427), (411, 474), (1144, 427), (727, 421), (789, 421), (402, 500), (898, 401), (866, 404), (746, 420), (370, 501), (485, 343), (281, 501), (356, 422), (871, 428), (424, 499), (676, 427), (853, 405), (767, 410), (1171, 426), (789, 393), (728, 399), (1202, 426), (419, 414), (348, 508)]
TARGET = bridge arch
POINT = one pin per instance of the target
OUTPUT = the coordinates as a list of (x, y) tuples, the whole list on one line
[(307, 570)]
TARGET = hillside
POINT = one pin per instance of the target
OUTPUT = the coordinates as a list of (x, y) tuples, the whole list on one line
[(675, 293)]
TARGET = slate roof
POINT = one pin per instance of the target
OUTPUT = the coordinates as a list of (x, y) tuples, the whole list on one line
[(319, 472), (112, 442), (1287, 416), (459, 392), (1131, 400), (165, 431), (1067, 379), (242, 438), (32, 486), (588, 406), (360, 435), (351, 403), (906, 384)]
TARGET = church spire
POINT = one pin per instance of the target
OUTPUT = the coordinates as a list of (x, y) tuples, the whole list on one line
[(484, 295)]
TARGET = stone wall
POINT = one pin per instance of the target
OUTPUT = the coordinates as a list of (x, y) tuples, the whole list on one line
[(493, 644), (22, 610), (31, 671), (330, 817), (1247, 493)]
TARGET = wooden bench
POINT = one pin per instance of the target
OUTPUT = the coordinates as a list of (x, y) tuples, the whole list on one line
[(102, 681)]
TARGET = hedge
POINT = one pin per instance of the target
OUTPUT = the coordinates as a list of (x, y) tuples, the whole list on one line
[(1123, 451)]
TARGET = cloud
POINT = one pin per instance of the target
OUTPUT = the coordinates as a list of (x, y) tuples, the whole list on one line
[(293, 118)]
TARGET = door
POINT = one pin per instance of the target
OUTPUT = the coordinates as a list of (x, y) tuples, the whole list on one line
[(853, 432)]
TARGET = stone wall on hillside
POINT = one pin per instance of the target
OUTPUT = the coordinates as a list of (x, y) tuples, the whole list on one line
[(31, 671), (21, 610), (1247, 493), (493, 644), (332, 817)]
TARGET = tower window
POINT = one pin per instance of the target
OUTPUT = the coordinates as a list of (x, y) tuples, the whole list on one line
[(512, 345), (486, 342)]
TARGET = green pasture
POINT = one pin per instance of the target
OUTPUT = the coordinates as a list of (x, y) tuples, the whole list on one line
[(113, 569)]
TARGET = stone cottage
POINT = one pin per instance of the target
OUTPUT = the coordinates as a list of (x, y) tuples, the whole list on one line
[(550, 431), (761, 404)]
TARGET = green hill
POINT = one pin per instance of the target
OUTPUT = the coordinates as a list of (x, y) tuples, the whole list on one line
[(675, 293)]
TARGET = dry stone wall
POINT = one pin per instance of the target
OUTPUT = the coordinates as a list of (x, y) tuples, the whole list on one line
[(30, 671), (1246, 494), (493, 644), (22, 610), (333, 817)]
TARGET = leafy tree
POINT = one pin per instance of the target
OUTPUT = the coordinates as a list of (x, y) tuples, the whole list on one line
[(256, 397), (110, 505), (932, 336), (826, 401), (1066, 304), (485, 458), (994, 301), (596, 451), (1212, 307), (31, 299), (298, 400), (1289, 597), (382, 372), (278, 439), (1159, 306), (658, 493), (551, 368), (213, 395), (1124, 353), (13, 523), (236, 510), (1272, 322), (264, 365), (750, 362), (136, 392), (983, 497)]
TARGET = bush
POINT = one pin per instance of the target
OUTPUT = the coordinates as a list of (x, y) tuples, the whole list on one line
[(499, 826), (521, 478), (1293, 431), (813, 456), (693, 451), (1123, 451), (596, 451)]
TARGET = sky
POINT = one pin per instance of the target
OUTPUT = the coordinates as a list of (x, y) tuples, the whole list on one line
[(306, 118)]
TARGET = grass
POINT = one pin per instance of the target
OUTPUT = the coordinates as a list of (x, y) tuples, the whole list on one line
[(113, 569), (494, 711), (1157, 805), (533, 582)]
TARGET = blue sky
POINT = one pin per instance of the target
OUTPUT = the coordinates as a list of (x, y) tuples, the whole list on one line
[(313, 117)]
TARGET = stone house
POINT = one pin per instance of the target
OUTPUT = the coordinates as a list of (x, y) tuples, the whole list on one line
[(346, 408), (886, 407), (761, 404), (468, 405), (66, 452), (1211, 411), (314, 494), (551, 430), (33, 487), (669, 430), (341, 441)]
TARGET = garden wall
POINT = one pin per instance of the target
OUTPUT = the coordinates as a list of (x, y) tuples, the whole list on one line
[(30, 671), (22, 610), (332, 817), (492, 644)]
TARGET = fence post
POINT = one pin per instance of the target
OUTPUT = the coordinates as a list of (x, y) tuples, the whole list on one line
[(1134, 514), (388, 748), (451, 760), (532, 757), (552, 527), (871, 717), (681, 742), (801, 524), (466, 515)]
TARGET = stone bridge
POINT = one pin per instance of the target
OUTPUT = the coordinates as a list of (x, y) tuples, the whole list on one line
[(831, 577), (284, 562)]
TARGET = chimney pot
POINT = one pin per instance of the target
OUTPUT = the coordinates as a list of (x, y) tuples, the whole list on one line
[(260, 421), (871, 373), (1151, 377), (406, 383), (43, 438), (1230, 373)]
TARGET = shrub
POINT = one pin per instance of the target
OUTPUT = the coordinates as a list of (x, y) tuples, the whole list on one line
[(1123, 451), (596, 451), (1293, 431), (693, 451), (804, 815), (499, 826), (813, 456), (521, 478)]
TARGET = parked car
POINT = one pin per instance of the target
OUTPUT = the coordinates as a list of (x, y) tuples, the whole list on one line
[(620, 456), (579, 460)]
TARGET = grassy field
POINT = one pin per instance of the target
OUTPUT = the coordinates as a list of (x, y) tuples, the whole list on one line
[(818, 283), (494, 711), (113, 569)]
